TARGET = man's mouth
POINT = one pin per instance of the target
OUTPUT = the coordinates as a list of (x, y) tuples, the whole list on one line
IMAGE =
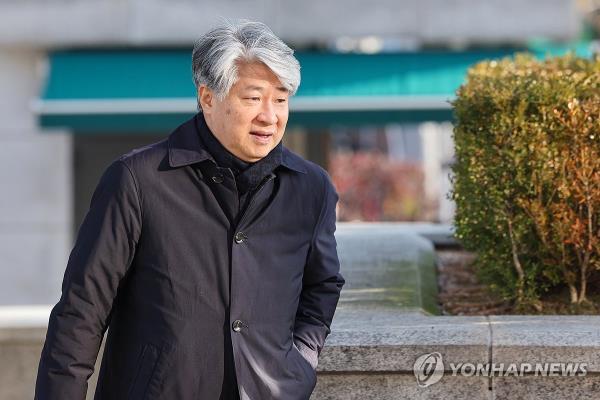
[(261, 134), (261, 137)]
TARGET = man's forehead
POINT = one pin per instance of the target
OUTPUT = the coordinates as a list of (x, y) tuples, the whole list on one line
[(256, 75), (260, 88)]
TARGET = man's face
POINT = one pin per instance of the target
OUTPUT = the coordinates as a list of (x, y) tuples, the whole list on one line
[(251, 119)]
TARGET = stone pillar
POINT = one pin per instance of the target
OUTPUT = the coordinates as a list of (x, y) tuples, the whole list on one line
[(35, 188), (438, 156)]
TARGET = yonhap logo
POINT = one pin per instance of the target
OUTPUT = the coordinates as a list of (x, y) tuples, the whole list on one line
[(428, 369)]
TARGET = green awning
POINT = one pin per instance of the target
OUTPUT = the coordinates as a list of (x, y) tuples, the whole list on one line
[(152, 90)]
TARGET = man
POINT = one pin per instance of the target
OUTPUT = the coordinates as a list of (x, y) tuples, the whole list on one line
[(210, 255)]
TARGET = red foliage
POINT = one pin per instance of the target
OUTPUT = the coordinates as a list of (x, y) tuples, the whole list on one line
[(374, 188)]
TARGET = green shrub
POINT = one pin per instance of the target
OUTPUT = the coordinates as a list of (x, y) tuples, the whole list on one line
[(527, 174)]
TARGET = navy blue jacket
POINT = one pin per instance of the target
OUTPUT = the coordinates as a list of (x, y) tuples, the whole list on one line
[(159, 264)]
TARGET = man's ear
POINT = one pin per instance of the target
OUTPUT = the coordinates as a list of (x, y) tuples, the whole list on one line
[(206, 98)]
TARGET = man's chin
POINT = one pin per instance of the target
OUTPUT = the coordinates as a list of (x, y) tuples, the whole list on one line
[(258, 154)]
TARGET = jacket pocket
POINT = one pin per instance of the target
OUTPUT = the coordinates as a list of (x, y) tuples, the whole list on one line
[(305, 365), (307, 354), (144, 372)]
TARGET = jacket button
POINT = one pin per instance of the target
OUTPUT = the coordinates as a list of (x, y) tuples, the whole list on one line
[(237, 325), (240, 237), (218, 178)]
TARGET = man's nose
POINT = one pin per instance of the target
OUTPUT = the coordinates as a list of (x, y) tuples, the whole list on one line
[(267, 114)]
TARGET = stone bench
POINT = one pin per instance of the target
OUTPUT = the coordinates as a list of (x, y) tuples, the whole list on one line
[(387, 266)]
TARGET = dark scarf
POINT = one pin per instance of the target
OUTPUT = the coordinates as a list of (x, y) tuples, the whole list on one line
[(247, 175)]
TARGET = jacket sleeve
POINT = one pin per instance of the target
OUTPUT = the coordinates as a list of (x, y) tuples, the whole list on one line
[(103, 251), (322, 283)]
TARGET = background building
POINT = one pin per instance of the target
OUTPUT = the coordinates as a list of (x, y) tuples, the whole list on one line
[(85, 81)]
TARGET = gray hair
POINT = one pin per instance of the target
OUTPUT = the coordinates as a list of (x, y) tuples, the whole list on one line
[(216, 53)]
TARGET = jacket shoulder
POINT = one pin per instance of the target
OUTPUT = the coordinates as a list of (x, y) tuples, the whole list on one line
[(157, 151), (315, 178), (147, 158), (314, 172)]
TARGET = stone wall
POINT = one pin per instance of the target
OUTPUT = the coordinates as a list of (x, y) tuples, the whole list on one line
[(370, 354)]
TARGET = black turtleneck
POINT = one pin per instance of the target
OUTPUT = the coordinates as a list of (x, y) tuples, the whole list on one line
[(247, 175)]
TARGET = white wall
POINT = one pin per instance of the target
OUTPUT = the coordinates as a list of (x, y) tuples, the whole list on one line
[(65, 23)]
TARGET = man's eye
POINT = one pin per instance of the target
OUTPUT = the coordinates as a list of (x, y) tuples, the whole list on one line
[(253, 98), (281, 100)]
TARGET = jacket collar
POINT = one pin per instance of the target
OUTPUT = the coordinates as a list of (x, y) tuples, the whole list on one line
[(185, 148), (292, 161)]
